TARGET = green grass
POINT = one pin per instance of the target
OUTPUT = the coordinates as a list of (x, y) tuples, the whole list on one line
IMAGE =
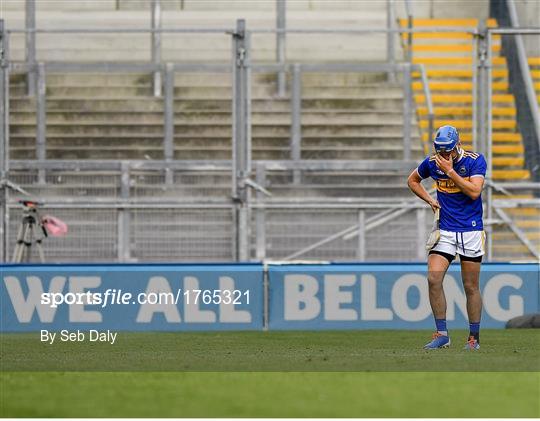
[(502, 350), (406, 382), (488, 395)]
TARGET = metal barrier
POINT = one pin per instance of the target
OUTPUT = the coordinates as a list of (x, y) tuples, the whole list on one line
[(528, 117), (132, 223), (124, 201)]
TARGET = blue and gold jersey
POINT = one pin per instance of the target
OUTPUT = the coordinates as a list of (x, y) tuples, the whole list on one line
[(459, 213)]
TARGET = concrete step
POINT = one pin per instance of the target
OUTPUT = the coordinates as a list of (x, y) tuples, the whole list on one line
[(209, 92), (524, 212), (309, 79), (210, 117), (184, 79), (351, 142), (459, 74), (359, 91), (510, 237), (357, 153), (502, 123), (357, 103), (511, 175), (340, 79), (148, 104), (466, 111), (214, 151), (498, 138), (447, 86), (504, 100), (143, 105), (323, 130), (512, 251), (84, 104), (156, 141)]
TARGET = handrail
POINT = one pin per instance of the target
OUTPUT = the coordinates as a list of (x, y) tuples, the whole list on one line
[(518, 232), (521, 82), (156, 45), (115, 66), (429, 103), (217, 165), (120, 30), (408, 11), (371, 223), (424, 29), (522, 57), (409, 31), (264, 204), (408, 7)]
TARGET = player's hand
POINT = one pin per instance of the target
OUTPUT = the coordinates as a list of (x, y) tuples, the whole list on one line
[(434, 205), (444, 164)]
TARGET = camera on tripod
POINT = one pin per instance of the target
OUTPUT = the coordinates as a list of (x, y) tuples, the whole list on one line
[(33, 229)]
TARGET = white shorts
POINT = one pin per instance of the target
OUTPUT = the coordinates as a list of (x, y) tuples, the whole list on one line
[(468, 244)]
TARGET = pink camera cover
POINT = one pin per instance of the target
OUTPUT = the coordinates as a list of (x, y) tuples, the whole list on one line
[(54, 226)]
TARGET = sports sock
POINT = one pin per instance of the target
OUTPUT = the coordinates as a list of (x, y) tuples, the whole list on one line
[(474, 331), (441, 326)]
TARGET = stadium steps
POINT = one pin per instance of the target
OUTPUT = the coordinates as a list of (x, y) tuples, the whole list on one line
[(448, 60), (93, 117), (534, 63), (196, 47), (123, 121)]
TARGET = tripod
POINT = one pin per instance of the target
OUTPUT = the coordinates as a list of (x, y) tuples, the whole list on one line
[(30, 230)]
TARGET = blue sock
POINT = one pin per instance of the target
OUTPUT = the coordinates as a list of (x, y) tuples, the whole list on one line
[(474, 331), (441, 326)]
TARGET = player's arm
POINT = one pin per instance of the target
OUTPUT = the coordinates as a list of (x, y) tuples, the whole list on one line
[(472, 188), (414, 183)]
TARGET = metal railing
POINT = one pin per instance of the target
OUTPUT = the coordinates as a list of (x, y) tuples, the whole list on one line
[(240, 166), (297, 69), (428, 101), (127, 203), (156, 32), (528, 114), (241, 68), (167, 70), (165, 73), (521, 81), (280, 228)]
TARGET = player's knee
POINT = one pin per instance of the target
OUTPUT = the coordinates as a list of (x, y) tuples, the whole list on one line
[(435, 279), (471, 288)]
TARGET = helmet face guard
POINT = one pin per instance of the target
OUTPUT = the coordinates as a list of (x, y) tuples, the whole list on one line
[(446, 139)]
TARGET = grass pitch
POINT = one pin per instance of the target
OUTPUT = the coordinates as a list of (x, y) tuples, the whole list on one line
[(367, 350), (272, 374)]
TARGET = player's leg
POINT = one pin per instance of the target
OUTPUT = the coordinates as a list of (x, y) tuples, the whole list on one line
[(470, 274), (438, 262), (471, 262)]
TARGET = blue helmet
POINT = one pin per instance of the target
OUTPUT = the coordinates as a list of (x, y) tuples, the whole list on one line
[(446, 139)]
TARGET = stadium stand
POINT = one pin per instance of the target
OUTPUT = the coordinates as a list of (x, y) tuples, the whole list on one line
[(450, 74), (108, 117)]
